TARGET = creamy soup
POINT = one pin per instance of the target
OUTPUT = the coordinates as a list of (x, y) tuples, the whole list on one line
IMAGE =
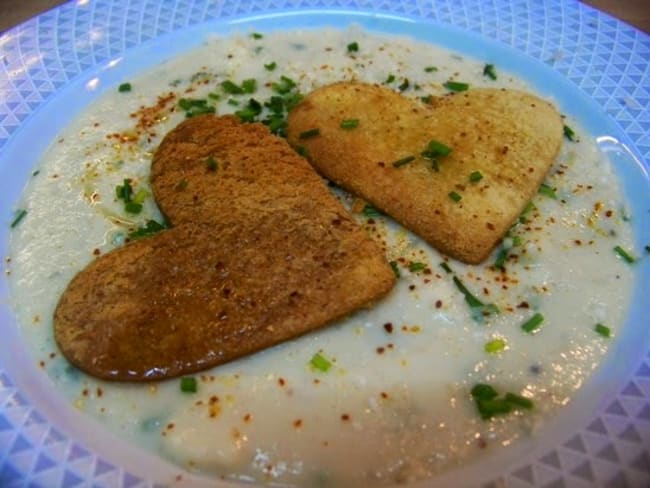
[(385, 395)]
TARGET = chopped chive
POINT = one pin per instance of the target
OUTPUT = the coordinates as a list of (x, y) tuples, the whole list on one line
[(140, 196), (320, 362), (475, 176), (151, 227), (349, 124), (214, 96), (256, 35), (414, 267), (603, 330), (231, 88), (547, 191), (404, 85), (35, 173), (403, 161), (370, 211), (489, 71), (455, 196), (624, 255), (488, 404), (302, 150), (284, 86), (195, 106), (446, 267), (428, 99), (532, 324), (516, 241), (211, 164), (189, 384), (569, 133), (271, 66), (395, 268), (483, 391), (456, 86), (20, 215), (353, 47), (389, 79), (500, 261), (523, 216), (435, 149), (309, 133), (133, 207), (250, 111), (124, 88), (233, 102), (471, 300), (494, 346), (124, 191), (430, 69), (249, 85), (518, 400)]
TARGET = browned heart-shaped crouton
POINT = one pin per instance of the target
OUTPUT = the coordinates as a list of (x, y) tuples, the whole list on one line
[(259, 252), (457, 172)]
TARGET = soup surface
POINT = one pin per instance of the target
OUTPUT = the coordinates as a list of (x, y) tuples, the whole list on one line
[(385, 395)]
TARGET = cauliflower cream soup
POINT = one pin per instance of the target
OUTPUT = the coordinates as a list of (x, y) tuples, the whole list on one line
[(422, 382)]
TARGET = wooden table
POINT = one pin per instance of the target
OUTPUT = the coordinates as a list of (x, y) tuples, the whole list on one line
[(634, 12)]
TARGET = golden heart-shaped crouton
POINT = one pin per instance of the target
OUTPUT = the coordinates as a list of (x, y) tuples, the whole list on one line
[(259, 252), (457, 172)]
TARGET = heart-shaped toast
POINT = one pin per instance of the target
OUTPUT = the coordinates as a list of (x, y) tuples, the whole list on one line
[(259, 252), (457, 171)]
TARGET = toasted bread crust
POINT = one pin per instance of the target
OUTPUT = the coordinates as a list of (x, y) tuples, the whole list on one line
[(260, 252), (510, 137)]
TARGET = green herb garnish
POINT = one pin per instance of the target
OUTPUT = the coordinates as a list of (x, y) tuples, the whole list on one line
[(124, 88), (446, 267), (285, 85), (489, 405), (475, 176), (189, 384), (150, 228), (404, 85), (389, 79), (271, 66), (533, 324), (547, 191), (433, 151), (19, 215), (124, 191), (471, 300), (353, 47), (430, 69), (428, 99), (494, 346), (349, 124), (395, 268), (569, 133), (370, 211), (320, 363), (500, 261), (624, 255), (249, 85), (250, 112), (456, 197), (403, 161), (489, 71), (309, 133), (133, 207), (414, 267), (211, 164), (523, 216), (231, 88), (195, 106), (456, 86), (256, 35), (603, 330)]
